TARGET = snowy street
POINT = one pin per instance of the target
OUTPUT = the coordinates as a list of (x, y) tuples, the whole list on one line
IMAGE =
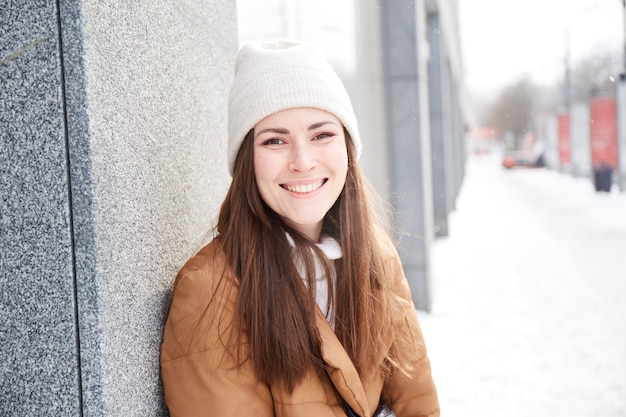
[(529, 297)]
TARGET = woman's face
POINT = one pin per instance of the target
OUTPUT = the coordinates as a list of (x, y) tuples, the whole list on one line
[(300, 165)]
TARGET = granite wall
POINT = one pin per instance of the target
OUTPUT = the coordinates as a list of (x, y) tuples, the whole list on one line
[(39, 369), (112, 127)]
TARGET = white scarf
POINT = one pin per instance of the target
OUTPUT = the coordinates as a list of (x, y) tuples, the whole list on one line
[(332, 250)]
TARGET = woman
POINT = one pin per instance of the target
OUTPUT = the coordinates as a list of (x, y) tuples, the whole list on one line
[(299, 306)]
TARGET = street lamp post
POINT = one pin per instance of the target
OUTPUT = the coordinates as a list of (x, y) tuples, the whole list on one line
[(624, 69), (621, 119)]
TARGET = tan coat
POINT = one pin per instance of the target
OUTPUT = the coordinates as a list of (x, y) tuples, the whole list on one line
[(200, 377)]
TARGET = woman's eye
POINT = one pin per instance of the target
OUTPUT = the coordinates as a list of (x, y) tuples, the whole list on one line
[(273, 141), (323, 136)]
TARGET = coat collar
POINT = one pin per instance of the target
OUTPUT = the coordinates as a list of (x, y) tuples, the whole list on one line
[(341, 370)]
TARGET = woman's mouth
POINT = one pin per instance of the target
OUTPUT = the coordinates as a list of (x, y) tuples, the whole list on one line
[(303, 188)]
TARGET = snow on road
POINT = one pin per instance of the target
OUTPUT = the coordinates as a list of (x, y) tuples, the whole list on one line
[(529, 297)]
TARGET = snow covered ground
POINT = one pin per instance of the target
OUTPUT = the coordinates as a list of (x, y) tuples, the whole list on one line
[(529, 297)]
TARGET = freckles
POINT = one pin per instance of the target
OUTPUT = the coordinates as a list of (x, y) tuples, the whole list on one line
[(265, 161), (261, 163), (258, 161), (262, 167)]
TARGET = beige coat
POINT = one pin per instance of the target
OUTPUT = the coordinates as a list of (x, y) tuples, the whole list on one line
[(200, 377)]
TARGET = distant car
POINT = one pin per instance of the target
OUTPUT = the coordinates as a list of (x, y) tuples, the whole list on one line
[(522, 159)]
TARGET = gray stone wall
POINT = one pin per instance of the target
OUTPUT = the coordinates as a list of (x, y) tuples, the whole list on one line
[(439, 123), (408, 139), (447, 125), (112, 162), (38, 363)]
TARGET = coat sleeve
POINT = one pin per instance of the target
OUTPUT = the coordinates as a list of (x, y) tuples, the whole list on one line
[(414, 395), (201, 377)]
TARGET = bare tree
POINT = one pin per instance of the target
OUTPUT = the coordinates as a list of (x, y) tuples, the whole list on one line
[(597, 72), (513, 110)]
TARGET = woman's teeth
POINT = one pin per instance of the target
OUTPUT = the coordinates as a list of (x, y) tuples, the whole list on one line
[(304, 188)]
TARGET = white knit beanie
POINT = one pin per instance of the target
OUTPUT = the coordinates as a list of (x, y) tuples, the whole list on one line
[(275, 76)]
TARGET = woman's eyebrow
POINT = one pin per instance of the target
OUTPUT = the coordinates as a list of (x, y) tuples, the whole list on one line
[(273, 130), (284, 131), (320, 124)]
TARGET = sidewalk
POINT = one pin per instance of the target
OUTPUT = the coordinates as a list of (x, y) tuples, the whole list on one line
[(529, 298)]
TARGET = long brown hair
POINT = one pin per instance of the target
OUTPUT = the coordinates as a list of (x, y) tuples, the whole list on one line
[(274, 306)]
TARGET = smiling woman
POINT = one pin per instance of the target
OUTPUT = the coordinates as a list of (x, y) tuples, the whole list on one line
[(299, 307), (300, 166)]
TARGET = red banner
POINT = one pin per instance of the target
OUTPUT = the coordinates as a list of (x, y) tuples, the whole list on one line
[(603, 132), (565, 152)]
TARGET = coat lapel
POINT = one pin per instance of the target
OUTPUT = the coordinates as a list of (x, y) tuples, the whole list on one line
[(341, 370)]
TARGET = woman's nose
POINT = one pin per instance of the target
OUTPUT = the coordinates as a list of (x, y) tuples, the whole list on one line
[(302, 158)]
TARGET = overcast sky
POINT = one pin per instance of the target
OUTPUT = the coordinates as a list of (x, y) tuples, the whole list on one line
[(502, 40), (505, 40)]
